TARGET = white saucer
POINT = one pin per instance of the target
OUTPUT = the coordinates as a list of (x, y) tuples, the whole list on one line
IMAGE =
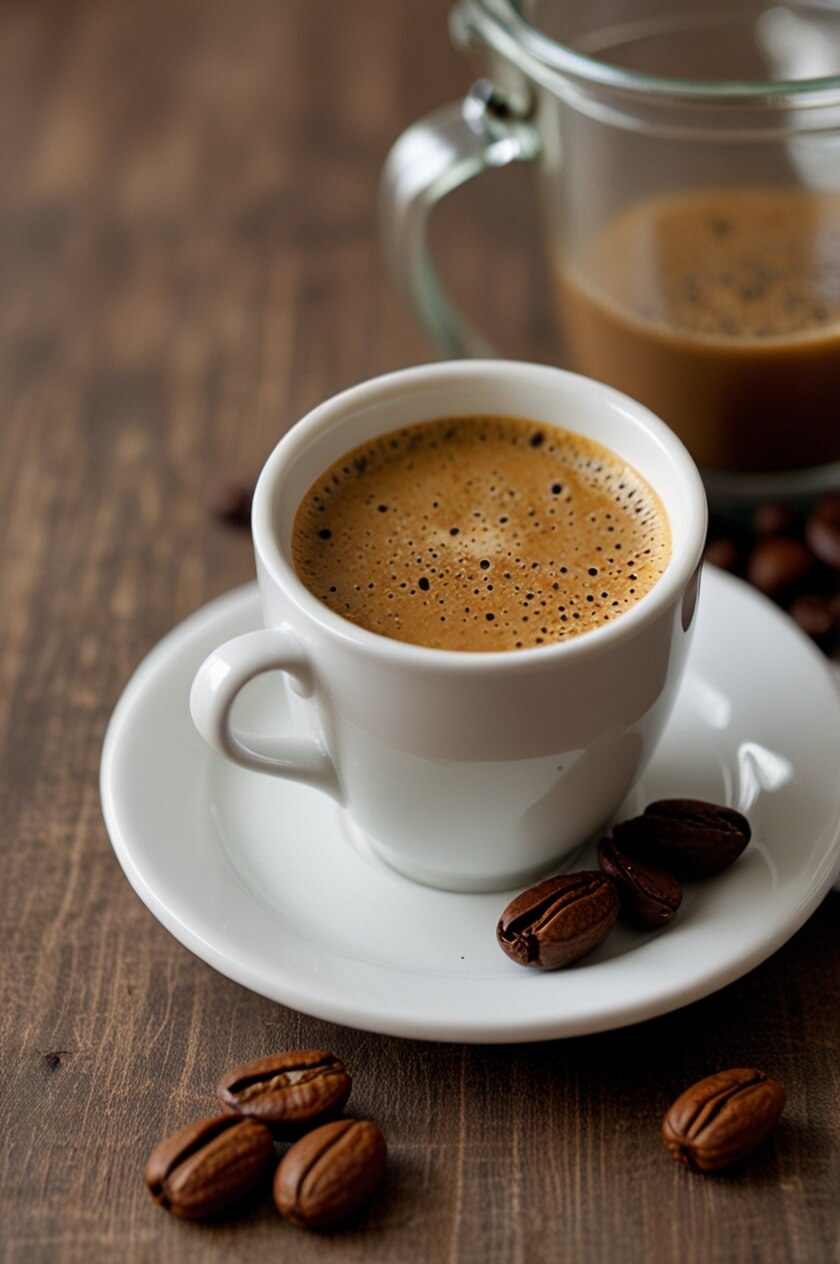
[(262, 879)]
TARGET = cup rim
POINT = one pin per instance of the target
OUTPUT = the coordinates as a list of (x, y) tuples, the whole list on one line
[(684, 560), (503, 24)]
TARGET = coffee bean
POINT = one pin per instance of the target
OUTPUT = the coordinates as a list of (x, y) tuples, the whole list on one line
[(723, 552), (230, 499), (559, 920), (788, 554), (822, 532), (722, 1119), (288, 1091), (814, 616), (777, 563), (650, 896), (204, 1168), (330, 1172), (834, 608), (688, 837), (828, 506), (773, 519)]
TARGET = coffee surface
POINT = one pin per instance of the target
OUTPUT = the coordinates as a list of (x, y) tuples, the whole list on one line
[(719, 309), (480, 533)]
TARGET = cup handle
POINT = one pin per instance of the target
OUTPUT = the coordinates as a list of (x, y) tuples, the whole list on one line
[(430, 159), (221, 677)]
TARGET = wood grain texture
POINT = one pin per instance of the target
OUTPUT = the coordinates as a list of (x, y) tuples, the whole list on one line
[(189, 261)]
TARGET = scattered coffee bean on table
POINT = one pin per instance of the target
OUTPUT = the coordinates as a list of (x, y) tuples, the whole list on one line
[(209, 1165), (814, 616), (723, 552), (777, 563), (791, 553), (722, 1119), (772, 519), (229, 499), (330, 1172), (325, 1175), (290, 1091), (822, 531)]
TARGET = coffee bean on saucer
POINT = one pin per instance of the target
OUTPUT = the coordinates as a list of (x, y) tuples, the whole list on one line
[(230, 500), (290, 1091), (650, 896), (558, 921), (688, 837), (777, 563)]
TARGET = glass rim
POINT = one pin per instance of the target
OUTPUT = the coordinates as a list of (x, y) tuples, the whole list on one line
[(502, 23)]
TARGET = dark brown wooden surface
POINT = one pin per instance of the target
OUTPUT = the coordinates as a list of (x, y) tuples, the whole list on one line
[(189, 261)]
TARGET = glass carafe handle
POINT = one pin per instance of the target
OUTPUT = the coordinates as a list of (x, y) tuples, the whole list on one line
[(430, 159)]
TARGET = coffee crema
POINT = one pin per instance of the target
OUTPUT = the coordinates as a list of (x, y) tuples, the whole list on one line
[(480, 533)]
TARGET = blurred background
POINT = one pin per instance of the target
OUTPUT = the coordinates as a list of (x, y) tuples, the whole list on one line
[(188, 221)]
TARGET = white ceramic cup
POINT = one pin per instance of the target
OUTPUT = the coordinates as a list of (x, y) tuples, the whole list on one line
[(467, 771)]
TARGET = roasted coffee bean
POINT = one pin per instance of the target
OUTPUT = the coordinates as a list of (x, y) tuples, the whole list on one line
[(330, 1172), (688, 837), (770, 518), (288, 1091), (814, 616), (205, 1167), (649, 896), (230, 499), (824, 541), (723, 552), (822, 531), (790, 555), (722, 1119), (834, 607), (828, 506), (776, 564), (559, 920)]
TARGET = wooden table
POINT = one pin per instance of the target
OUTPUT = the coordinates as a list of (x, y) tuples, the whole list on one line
[(189, 262)]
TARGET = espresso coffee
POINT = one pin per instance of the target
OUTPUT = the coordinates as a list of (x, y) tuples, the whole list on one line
[(480, 533), (720, 310)]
